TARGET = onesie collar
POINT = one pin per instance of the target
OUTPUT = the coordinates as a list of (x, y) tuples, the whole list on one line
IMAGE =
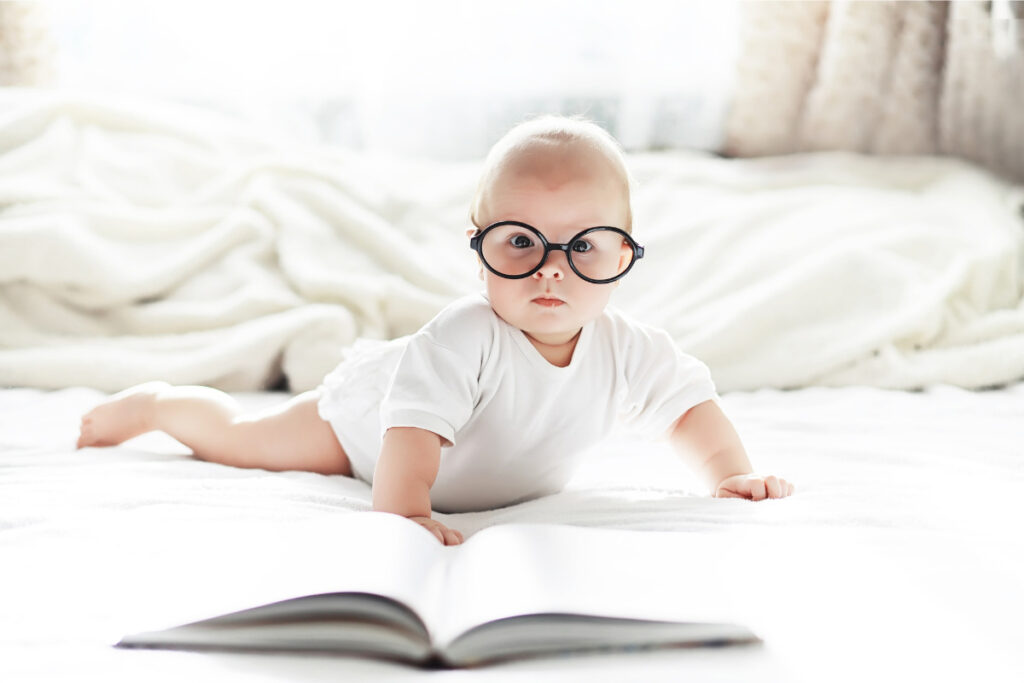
[(539, 361)]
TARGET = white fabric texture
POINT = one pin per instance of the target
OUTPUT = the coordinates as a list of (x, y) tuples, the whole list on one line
[(140, 242), (900, 550), (515, 425)]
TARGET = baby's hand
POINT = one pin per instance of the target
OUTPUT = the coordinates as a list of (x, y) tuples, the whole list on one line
[(754, 487), (444, 534)]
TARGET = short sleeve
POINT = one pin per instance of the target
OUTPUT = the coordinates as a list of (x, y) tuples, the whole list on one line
[(661, 382), (433, 388)]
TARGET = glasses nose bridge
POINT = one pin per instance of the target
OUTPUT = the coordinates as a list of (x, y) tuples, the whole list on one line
[(555, 247)]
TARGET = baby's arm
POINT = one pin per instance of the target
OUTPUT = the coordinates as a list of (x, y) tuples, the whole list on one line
[(708, 443), (407, 467)]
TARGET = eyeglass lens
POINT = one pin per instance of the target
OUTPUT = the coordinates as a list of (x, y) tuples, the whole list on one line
[(514, 250)]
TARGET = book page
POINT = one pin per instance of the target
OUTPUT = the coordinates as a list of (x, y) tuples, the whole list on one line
[(518, 569), (370, 552)]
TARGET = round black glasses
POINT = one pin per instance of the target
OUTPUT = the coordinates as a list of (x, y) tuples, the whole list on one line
[(512, 249)]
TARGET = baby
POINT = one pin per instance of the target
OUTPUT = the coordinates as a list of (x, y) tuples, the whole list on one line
[(510, 385)]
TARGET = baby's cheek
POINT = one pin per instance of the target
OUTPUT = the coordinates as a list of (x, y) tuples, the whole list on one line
[(595, 298)]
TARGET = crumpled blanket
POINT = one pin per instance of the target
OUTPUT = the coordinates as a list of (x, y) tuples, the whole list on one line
[(143, 240)]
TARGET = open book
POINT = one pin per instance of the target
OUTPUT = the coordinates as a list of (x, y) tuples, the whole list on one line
[(383, 586)]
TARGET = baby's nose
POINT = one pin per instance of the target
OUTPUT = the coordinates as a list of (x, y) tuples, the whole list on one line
[(554, 266)]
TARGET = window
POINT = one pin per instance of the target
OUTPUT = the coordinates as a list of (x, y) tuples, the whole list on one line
[(441, 79)]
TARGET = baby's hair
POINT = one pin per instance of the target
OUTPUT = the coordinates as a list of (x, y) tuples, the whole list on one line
[(562, 129)]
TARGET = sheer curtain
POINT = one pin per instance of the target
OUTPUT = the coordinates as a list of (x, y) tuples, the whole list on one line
[(882, 78), (440, 79)]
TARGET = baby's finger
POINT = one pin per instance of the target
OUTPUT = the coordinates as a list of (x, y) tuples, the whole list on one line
[(450, 538), (771, 482), (757, 491), (791, 488)]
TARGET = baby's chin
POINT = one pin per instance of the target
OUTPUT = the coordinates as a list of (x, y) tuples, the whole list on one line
[(544, 322), (551, 330), (552, 338)]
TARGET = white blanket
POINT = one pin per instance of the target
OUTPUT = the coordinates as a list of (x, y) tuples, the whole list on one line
[(141, 241), (898, 558)]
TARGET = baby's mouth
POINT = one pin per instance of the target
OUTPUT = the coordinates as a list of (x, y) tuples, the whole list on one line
[(548, 301)]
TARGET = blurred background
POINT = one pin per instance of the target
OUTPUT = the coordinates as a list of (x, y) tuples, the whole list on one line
[(444, 79), (440, 79), (144, 227)]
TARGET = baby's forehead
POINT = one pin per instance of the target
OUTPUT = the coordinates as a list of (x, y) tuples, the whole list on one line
[(554, 165), (556, 160), (517, 169)]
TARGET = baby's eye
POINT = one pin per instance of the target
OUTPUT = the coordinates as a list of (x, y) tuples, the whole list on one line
[(581, 246), (520, 241)]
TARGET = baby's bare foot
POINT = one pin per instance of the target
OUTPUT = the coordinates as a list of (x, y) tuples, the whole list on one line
[(120, 417)]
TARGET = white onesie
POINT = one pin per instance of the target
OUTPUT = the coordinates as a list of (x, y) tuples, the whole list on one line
[(514, 425)]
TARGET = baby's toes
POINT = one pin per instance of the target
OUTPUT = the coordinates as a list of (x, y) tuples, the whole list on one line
[(86, 433)]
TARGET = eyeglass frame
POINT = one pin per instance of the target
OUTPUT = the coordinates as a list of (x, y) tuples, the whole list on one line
[(476, 244)]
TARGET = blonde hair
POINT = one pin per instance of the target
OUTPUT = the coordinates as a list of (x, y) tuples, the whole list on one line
[(558, 129)]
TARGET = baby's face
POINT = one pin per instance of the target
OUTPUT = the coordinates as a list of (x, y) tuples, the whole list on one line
[(552, 304)]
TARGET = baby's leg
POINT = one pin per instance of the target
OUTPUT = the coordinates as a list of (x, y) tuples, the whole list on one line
[(291, 436)]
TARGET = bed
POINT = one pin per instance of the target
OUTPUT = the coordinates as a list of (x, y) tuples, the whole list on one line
[(862, 319)]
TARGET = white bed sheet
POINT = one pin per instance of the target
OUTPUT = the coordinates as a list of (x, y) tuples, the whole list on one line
[(898, 558)]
